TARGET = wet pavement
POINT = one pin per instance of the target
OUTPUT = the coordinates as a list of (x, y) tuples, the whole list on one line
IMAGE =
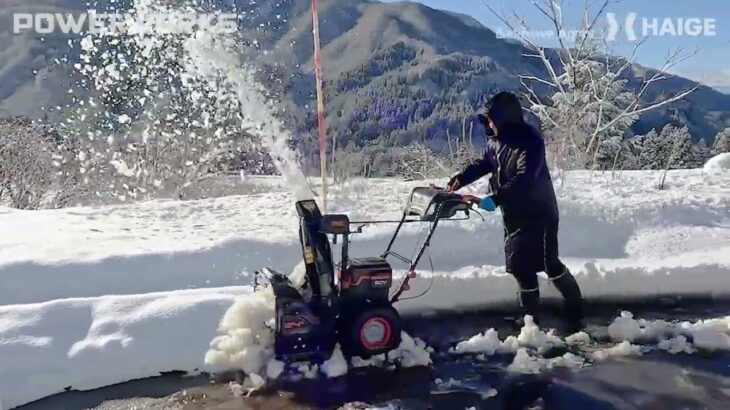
[(656, 380)]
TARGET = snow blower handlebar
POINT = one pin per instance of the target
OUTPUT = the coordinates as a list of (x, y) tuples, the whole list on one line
[(425, 205), (429, 204)]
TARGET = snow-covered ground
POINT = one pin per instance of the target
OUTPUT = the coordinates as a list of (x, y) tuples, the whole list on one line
[(175, 267)]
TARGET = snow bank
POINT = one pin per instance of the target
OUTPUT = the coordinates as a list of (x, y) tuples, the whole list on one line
[(89, 343), (642, 243), (718, 163), (679, 234)]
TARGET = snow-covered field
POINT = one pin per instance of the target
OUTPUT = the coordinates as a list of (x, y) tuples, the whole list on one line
[(99, 295)]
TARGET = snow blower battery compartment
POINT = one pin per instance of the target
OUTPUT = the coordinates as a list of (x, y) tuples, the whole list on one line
[(367, 278)]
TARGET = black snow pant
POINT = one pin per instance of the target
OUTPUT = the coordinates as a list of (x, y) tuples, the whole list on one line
[(532, 247)]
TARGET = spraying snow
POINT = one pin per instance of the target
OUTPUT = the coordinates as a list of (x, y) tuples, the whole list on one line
[(190, 94)]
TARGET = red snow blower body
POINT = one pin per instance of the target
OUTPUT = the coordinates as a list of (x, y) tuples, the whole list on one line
[(349, 303)]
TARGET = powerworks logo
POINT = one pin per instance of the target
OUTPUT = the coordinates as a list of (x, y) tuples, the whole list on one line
[(104, 23), (635, 27)]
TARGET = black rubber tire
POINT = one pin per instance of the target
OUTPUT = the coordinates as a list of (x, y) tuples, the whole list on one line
[(354, 345)]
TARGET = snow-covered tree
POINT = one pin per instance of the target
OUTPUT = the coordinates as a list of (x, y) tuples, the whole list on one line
[(591, 107), (26, 172), (593, 94), (722, 142), (417, 162), (701, 152), (672, 148), (462, 150)]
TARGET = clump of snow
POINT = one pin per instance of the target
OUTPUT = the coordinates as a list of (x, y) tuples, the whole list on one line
[(718, 163), (336, 365), (578, 339), (713, 334), (532, 336), (525, 363), (412, 352), (624, 348), (676, 345), (569, 360), (624, 327), (308, 370), (487, 343), (707, 337), (510, 345)]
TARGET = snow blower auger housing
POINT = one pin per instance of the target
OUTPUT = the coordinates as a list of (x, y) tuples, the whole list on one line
[(349, 303)]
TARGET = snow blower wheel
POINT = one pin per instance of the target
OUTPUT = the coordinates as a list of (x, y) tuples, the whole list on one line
[(349, 303), (374, 332)]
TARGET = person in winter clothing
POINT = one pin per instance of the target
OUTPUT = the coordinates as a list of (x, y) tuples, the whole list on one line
[(521, 186)]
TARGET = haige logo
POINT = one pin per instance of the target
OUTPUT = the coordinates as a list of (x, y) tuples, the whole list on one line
[(633, 26)]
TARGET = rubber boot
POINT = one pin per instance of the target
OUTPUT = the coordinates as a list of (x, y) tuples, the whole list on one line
[(572, 301), (530, 304)]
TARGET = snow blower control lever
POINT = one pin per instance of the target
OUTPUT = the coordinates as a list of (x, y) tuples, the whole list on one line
[(349, 303)]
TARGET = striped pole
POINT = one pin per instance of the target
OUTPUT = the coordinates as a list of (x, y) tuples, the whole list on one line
[(320, 104)]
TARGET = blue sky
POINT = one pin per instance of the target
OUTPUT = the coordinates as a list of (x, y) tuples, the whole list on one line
[(711, 65)]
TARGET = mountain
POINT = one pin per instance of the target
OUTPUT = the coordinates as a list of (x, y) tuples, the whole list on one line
[(394, 72)]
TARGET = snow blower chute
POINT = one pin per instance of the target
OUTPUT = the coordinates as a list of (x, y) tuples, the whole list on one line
[(349, 303)]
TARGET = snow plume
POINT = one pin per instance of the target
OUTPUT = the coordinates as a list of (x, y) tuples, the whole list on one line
[(246, 337), (175, 106)]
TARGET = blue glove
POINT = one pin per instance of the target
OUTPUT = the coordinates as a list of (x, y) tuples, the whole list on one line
[(487, 204)]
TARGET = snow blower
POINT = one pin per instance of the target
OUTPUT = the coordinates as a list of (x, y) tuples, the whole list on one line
[(350, 303)]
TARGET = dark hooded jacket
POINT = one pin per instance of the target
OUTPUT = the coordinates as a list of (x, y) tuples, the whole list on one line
[(520, 181)]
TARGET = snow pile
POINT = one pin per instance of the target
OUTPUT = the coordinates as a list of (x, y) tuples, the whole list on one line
[(624, 327), (531, 336), (675, 345), (567, 360), (84, 344), (524, 362), (624, 348), (487, 343), (412, 352), (718, 163), (578, 339), (532, 342), (712, 334)]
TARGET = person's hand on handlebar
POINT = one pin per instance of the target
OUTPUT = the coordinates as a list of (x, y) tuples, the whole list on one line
[(454, 184), (471, 199)]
